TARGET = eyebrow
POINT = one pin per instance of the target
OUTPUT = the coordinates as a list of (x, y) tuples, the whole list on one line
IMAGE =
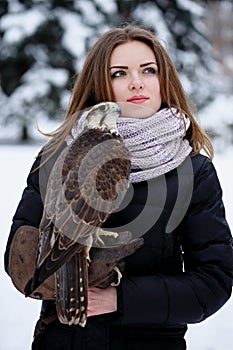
[(141, 65)]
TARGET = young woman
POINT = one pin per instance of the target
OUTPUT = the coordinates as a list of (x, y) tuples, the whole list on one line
[(183, 272)]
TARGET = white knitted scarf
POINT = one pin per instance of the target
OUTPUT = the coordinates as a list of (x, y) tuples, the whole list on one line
[(156, 144)]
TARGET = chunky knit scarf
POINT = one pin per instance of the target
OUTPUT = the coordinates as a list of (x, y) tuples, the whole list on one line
[(157, 143)]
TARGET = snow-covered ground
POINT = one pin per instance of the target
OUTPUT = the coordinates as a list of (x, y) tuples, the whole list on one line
[(18, 315)]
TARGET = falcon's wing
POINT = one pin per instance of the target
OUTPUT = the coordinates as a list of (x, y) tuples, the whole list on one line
[(97, 181), (87, 183)]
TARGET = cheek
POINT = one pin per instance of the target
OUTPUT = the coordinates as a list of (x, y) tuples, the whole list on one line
[(157, 86), (118, 91), (157, 91), (157, 98)]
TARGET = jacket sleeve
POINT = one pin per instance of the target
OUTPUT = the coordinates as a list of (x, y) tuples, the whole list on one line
[(206, 283), (30, 207)]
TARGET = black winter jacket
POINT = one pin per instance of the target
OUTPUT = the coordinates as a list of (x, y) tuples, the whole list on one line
[(181, 275)]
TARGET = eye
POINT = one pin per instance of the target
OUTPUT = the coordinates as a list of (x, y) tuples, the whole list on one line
[(150, 70), (118, 73)]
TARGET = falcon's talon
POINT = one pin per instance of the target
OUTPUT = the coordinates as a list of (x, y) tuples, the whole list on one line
[(119, 277), (109, 233), (104, 233)]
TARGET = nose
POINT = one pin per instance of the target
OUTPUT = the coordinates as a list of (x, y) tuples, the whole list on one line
[(136, 84)]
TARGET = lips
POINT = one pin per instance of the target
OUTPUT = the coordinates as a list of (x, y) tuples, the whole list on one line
[(138, 99)]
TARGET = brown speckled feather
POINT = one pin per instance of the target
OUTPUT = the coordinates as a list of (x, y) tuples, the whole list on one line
[(88, 182), (71, 290)]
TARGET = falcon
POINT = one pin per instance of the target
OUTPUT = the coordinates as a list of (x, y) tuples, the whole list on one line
[(87, 183)]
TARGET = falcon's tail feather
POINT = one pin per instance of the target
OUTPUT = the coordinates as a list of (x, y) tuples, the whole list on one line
[(50, 265), (71, 290)]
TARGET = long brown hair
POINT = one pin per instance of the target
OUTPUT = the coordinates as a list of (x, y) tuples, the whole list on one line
[(93, 85)]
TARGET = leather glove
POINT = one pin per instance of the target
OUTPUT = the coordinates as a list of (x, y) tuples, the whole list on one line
[(105, 268), (107, 264), (22, 260)]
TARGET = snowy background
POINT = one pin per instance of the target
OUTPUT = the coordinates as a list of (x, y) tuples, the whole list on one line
[(44, 43), (18, 315), (44, 88)]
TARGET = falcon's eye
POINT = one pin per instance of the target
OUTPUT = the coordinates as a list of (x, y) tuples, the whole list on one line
[(102, 108)]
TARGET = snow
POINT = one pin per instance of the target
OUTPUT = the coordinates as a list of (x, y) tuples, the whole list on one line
[(55, 76), (20, 24), (218, 112), (154, 15), (218, 117), (75, 32), (89, 13), (108, 6), (19, 315), (194, 8)]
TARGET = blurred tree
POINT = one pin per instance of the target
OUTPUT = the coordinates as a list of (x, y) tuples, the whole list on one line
[(220, 31), (44, 44)]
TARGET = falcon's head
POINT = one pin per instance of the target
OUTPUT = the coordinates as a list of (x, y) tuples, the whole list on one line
[(102, 116)]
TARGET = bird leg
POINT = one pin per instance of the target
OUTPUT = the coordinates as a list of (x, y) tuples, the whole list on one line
[(101, 232), (106, 238), (108, 233)]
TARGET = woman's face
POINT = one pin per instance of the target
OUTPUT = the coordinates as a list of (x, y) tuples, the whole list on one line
[(134, 75)]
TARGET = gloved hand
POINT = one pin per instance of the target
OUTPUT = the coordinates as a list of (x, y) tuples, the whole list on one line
[(107, 264), (22, 259), (104, 269)]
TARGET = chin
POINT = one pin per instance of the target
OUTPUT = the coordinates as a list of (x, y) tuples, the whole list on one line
[(133, 110)]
